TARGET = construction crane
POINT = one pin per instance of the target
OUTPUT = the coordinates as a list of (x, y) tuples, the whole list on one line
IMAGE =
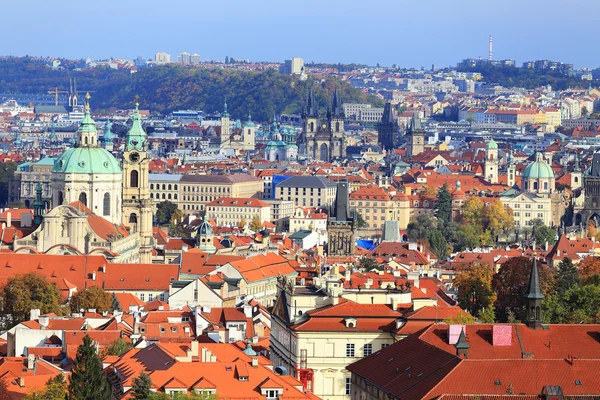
[(72, 92)]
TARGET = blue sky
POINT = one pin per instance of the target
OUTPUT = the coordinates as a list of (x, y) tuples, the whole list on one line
[(406, 33)]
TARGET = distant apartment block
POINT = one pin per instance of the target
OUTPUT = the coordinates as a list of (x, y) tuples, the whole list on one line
[(352, 110), (292, 67), (162, 58)]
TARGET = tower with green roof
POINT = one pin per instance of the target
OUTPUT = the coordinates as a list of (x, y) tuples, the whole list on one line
[(137, 203), (490, 164), (88, 173)]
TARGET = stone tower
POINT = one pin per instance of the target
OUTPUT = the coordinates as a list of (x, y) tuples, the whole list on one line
[(225, 125), (340, 226), (137, 204), (490, 164), (387, 129), (249, 134), (416, 137)]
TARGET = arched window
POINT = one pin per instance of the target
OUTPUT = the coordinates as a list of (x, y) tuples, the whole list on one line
[(61, 198), (535, 185), (83, 198), (133, 220), (86, 140), (312, 127), (163, 196), (164, 187), (175, 196), (337, 126), (106, 204), (133, 178), (169, 197), (151, 186), (170, 186), (151, 195), (545, 185), (175, 187)]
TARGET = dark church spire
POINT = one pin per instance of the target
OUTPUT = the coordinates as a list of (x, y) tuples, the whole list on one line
[(312, 109), (533, 298), (38, 205), (338, 109)]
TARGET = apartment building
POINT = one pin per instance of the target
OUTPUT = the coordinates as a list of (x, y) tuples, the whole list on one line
[(307, 191), (232, 210)]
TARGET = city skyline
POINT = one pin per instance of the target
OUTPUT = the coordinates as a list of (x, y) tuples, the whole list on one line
[(399, 33)]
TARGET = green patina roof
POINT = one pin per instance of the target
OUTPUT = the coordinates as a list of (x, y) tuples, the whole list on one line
[(87, 160), (136, 137), (87, 125), (538, 169), (491, 145)]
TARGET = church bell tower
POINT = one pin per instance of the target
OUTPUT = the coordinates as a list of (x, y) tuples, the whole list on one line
[(137, 204)]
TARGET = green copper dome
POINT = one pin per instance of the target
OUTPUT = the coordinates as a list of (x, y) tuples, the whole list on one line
[(539, 169), (136, 137), (86, 157), (87, 160), (492, 145)]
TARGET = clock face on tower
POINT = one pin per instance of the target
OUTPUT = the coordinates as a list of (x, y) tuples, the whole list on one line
[(134, 157)]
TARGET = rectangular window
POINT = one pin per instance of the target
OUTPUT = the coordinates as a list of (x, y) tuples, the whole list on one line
[(349, 350), (348, 385), (150, 297), (142, 297), (367, 350), (384, 345)]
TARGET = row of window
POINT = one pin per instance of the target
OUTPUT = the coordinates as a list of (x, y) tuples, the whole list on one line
[(164, 197), (528, 215), (367, 349), (208, 189), (164, 186), (142, 297), (539, 206)]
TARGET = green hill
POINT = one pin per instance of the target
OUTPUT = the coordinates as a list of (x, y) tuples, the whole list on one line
[(170, 87)]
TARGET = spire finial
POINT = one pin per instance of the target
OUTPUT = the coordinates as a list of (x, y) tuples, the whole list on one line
[(137, 101)]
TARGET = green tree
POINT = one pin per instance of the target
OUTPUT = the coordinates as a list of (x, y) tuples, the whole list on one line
[(87, 381), (567, 275), (360, 221), (119, 347), (437, 244), (22, 293), (421, 226), (116, 305), (7, 171), (578, 305), (92, 297), (55, 389), (368, 264), (443, 205), (141, 387), (164, 212), (487, 315), (541, 233), (255, 224)]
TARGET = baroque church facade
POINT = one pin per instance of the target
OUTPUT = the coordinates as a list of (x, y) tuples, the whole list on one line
[(100, 206), (323, 139)]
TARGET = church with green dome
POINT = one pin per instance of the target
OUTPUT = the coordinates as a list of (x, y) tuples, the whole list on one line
[(89, 173)]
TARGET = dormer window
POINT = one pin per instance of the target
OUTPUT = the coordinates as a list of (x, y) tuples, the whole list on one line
[(350, 322)]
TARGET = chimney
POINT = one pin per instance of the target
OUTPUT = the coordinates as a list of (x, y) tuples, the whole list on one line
[(184, 248), (30, 362), (34, 313), (394, 303), (8, 219), (44, 321), (254, 362), (22, 381), (94, 275)]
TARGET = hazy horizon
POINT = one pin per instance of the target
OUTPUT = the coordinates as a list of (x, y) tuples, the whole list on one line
[(409, 34)]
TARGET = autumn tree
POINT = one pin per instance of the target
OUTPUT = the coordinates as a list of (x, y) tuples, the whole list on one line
[(511, 282), (22, 293), (255, 224), (87, 381), (588, 267), (242, 223), (474, 284), (497, 219), (93, 297)]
